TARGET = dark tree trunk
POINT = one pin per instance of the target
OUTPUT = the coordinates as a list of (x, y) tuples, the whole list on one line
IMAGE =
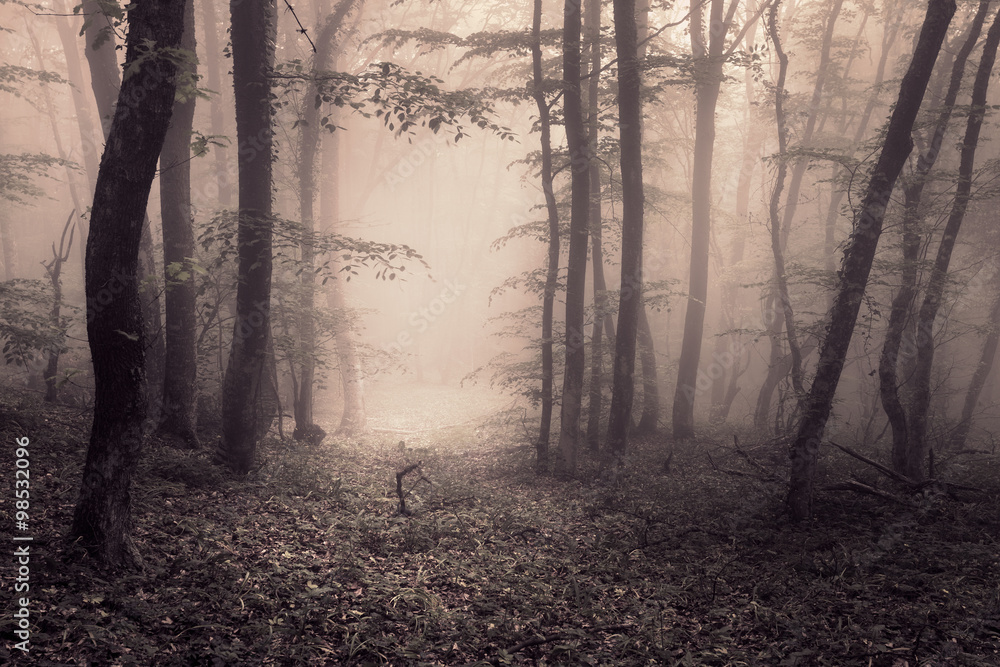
[(708, 61), (552, 270), (630, 297), (102, 521), (858, 258), (106, 80), (247, 379), (576, 275), (177, 416), (901, 309), (911, 461)]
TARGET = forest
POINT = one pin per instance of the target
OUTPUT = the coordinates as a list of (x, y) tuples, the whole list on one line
[(464, 332)]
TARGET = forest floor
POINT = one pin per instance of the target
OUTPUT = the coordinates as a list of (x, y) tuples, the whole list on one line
[(309, 562)]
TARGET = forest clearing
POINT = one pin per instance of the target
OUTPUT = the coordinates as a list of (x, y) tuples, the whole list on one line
[(309, 562)]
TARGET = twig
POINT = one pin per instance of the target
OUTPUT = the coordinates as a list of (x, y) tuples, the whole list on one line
[(302, 28)]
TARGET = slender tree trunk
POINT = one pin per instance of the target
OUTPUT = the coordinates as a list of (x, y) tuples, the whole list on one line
[(102, 520), (247, 378), (88, 138), (983, 368), (630, 304), (708, 61), (858, 257), (54, 270), (105, 78), (177, 417), (576, 276), (911, 461), (217, 126), (595, 406), (649, 421), (777, 250), (310, 144), (902, 303), (552, 270), (815, 104), (724, 383)]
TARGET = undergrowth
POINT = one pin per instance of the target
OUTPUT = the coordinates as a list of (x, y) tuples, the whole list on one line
[(308, 562)]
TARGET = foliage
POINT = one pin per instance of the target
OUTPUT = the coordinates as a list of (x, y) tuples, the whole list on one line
[(12, 77), (25, 326), (18, 172), (403, 100)]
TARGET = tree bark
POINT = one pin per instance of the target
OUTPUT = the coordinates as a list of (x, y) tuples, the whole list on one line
[(102, 520), (552, 269), (649, 420), (902, 303), (178, 413), (983, 368), (595, 405), (247, 379), (630, 298), (911, 461), (576, 276), (310, 143), (777, 246), (858, 258), (217, 126), (708, 62)]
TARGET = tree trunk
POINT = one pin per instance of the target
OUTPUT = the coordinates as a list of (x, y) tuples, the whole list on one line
[(177, 417), (649, 421), (724, 383), (552, 270), (911, 461), (815, 103), (595, 405), (708, 61), (630, 298), (858, 257), (576, 276), (902, 303), (983, 368), (102, 520), (217, 126), (54, 270), (105, 78), (247, 378), (310, 143), (777, 246)]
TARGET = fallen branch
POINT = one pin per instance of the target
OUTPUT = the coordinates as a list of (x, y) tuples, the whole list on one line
[(738, 473), (888, 472), (858, 487)]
